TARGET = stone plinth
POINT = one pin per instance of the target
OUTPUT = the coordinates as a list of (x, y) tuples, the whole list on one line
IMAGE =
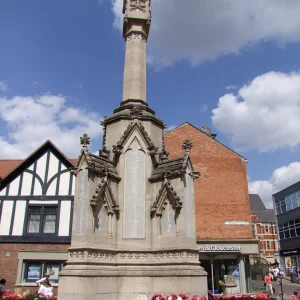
[(94, 274)]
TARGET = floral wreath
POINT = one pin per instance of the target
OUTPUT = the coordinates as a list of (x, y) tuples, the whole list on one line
[(184, 296), (173, 297), (158, 297)]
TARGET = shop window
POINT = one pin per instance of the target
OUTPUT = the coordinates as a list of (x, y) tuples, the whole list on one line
[(42, 219), (35, 270)]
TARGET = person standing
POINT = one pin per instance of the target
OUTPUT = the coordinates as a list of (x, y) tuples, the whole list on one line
[(268, 282)]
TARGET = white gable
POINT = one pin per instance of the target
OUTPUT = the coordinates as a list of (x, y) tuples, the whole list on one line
[(46, 176)]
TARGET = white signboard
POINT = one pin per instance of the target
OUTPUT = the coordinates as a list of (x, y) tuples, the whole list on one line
[(216, 248), (236, 223)]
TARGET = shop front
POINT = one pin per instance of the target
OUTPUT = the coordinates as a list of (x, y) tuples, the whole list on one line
[(229, 263)]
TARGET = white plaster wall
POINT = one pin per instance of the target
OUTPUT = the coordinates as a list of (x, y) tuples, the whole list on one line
[(43, 202), (53, 166), (3, 192), (6, 217), (73, 185), (19, 218), (64, 220), (26, 184), (63, 167), (52, 188), (37, 189), (14, 187), (30, 168), (41, 166), (64, 184)]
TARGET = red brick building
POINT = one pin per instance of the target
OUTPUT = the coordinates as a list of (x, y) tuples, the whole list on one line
[(223, 215), (264, 228)]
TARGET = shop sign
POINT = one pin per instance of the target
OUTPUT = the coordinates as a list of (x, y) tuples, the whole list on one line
[(295, 251), (215, 248)]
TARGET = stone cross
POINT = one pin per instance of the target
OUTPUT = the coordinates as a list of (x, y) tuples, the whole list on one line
[(85, 141)]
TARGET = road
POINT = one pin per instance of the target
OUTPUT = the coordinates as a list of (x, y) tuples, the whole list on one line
[(287, 286)]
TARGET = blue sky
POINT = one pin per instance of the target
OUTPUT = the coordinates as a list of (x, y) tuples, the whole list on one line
[(232, 65)]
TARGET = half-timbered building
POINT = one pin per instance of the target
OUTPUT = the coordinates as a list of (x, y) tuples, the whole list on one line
[(36, 203)]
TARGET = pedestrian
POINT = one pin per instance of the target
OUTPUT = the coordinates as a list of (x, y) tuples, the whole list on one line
[(46, 288), (2, 287), (268, 282)]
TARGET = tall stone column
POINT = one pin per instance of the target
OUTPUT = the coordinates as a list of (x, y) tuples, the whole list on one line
[(135, 32)]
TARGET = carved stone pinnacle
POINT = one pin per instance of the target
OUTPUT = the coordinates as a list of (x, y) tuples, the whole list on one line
[(84, 140)]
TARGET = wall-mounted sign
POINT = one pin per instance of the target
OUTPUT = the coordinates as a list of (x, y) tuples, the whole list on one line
[(290, 252), (215, 248), (236, 223)]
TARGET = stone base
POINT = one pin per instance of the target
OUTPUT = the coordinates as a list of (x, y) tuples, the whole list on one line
[(124, 275), (128, 288)]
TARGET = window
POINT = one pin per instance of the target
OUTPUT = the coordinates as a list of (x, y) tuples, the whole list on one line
[(290, 202), (274, 229), (42, 219), (268, 245), (290, 229), (35, 270), (266, 229)]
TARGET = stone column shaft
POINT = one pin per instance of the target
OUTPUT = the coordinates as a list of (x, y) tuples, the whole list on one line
[(134, 85)]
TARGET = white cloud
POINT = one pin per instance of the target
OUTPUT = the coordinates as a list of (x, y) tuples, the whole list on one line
[(31, 121), (196, 30), (3, 86), (203, 107), (263, 115), (34, 83), (281, 179)]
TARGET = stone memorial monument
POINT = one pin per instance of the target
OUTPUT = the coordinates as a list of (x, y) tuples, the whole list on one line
[(134, 214)]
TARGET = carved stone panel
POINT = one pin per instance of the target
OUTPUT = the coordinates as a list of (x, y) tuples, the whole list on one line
[(168, 219), (101, 219), (82, 202), (134, 192), (189, 210)]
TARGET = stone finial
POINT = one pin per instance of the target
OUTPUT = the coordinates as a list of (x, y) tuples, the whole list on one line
[(85, 141), (187, 145)]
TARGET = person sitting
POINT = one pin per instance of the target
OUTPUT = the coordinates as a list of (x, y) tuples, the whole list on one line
[(46, 288)]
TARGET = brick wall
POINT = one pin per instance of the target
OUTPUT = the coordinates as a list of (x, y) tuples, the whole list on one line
[(221, 192), (9, 264)]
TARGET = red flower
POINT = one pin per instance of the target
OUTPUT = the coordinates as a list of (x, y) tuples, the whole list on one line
[(158, 297), (174, 297), (183, 296)]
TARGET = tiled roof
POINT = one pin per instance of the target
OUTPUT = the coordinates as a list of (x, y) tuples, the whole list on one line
[(8, 165), (260, 211), (256, 203)]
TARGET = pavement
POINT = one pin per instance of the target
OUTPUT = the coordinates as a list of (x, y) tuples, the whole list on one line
[(288, 287)]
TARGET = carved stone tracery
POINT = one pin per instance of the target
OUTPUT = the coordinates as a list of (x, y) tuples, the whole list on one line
[(138, 5), (104, 193), (166, 193), (135, 257), (136, 123)]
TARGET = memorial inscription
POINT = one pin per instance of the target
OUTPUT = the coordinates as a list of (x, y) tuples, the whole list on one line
[(82, 202), (134, 192)]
